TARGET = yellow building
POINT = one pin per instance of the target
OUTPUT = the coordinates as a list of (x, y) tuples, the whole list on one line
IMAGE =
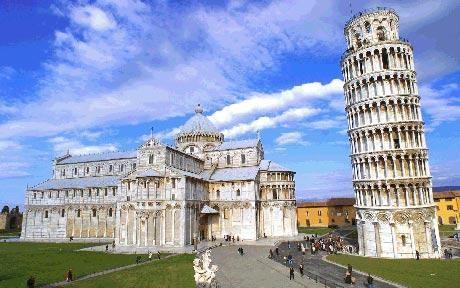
[(335, 211), (447, 206)]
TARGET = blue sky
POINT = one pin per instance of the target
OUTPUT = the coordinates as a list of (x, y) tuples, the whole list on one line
[(94, 76)]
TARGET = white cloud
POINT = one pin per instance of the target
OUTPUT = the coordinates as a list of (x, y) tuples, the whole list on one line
[(92, 17), (259, 103), (61, 145), (291, 115), (9, 145), (290, 138)]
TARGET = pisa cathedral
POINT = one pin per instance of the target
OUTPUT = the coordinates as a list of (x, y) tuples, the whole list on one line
[(162, 196), (394, 200)]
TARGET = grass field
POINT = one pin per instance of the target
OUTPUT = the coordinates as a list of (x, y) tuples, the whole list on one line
[(48, 262), (315, 230), (176, 271), (411, 273), (446, 230)]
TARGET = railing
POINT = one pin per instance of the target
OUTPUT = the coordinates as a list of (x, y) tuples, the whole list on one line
[(321, 280), (368, 11)]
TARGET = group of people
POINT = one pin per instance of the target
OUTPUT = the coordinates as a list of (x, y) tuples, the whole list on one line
[(231, 238), (331, 244), (448, 254), (241, 251)]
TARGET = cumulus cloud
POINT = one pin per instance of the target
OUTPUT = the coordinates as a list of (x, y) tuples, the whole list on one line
[(291, 115), (260, 103), (92, 17)]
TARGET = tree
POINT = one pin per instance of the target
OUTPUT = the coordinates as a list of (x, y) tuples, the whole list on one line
[(6, 209)]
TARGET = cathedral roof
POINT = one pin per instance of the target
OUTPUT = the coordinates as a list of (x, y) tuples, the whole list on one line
[(78, 183), (268, 165), (98, 157), (198, 123), (238, 144), (231, 174)]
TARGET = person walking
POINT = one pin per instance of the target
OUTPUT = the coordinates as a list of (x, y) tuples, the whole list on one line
[(301, 270), (289, 245), (370, 281), (150, 256), (159, 255), (107, 248), (277, 251), (417, 255), (270, 255), (291, 273)]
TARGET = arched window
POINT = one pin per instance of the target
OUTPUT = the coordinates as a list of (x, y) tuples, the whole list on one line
[(97, 191), (35, 195), (87, 170), (62, 212), (122, 167), (110, 212), (218, 194), (98, 169), (46, 214), (192, 149), (78, 213), (75, 171), (150, 159), (94, 212), (403, 239), (134, 166), (275, 196), (228, 160), (113, 191), (89, 193), (385, 61), (105, 191), (110, 168), (238, 192), (243, 158)]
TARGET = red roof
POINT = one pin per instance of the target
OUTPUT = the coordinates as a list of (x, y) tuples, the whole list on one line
[(328, 203), (446, 194)]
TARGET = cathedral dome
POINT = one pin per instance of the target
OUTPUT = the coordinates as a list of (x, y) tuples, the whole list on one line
[(198, 124)]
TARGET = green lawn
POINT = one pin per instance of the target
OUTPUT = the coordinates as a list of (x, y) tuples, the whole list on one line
[(175, 271), (4, 233), (409, 272), (48, 262), (315, 230), (446, 230)]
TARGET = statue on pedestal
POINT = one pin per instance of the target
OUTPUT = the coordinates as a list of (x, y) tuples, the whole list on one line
[(205, 273)]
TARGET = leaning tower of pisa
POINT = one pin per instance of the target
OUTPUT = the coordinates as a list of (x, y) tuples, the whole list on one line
[(396, 215)]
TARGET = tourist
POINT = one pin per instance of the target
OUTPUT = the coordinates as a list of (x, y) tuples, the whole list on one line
[(451, 254), (417, 255), (238, 238), (242, 251), (301, 270), (107, 248), (150, 256), (349, 279), (113, 245), (138, 259), (31, 282), (289, 245), (159, 255), (289, 259), (233, 239), (291, 273), (277, 252), (271, 254), (370, 281), (69, 277), (349, 268)]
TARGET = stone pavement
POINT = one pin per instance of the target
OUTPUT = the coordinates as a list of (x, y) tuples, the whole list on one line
[(332, 273), (253, 269)]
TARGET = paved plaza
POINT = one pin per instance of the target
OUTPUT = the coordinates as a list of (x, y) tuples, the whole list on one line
[(315, 264), (253, 269)]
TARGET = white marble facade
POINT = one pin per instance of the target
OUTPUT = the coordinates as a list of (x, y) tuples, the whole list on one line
[(165, 196), (396, 214)]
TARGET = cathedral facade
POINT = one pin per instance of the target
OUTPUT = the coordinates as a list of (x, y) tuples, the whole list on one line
[(396, 214), (163, 196)]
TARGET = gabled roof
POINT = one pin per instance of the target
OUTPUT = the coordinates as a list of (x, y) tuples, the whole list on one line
[(98, 157), (239, 144), (78, 183), (232, 174), (268, 165), (208, 210)]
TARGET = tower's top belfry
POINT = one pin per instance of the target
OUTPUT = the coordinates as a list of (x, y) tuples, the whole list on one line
[(371, 27)]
